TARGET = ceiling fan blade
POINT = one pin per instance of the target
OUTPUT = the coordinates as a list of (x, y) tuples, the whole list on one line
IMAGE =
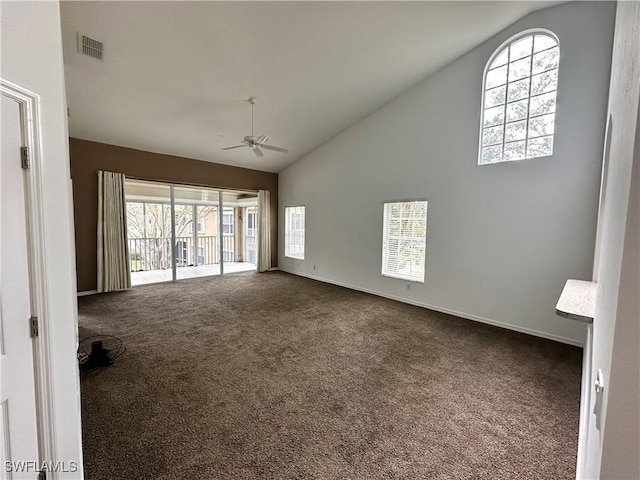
[(232, 138), (275, 149), (262, 139), (258, 152), (230, 148)]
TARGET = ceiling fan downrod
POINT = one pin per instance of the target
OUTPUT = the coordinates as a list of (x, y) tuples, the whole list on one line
[(252, 101)]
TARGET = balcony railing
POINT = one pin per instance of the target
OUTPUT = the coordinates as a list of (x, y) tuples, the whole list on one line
[(155, 253)]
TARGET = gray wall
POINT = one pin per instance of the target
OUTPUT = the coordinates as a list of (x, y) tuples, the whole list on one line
[(502, 239), (612, 451), (32, 58)]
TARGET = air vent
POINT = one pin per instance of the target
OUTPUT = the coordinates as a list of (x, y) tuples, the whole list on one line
[(90, 47)]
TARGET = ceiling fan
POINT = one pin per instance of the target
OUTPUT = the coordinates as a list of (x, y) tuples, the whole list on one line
[(255, 143)]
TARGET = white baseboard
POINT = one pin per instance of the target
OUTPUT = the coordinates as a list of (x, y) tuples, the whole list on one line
[(87, 292), (274, 269), (468, 316)]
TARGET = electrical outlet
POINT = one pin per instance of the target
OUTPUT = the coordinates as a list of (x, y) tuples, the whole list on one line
[(314, 267), (408, 286)]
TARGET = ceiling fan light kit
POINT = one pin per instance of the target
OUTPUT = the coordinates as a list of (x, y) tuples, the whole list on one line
[(255, 143)]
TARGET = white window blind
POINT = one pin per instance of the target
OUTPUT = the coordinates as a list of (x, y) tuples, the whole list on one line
[(404, 240), (519, 103), (294, 232)]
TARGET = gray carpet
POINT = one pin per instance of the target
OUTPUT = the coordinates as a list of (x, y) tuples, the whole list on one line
[(270, 375)]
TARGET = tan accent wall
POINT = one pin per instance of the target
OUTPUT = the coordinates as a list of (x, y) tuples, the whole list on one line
[(89, 157)]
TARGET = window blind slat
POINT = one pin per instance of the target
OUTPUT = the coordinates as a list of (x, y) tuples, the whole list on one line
[(294, 232), (404, 240)]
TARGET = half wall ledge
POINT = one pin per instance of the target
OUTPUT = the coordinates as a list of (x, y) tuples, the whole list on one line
[(577, 301)]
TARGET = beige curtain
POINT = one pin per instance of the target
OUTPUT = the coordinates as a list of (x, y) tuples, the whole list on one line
[(113, 247), (264, 231)]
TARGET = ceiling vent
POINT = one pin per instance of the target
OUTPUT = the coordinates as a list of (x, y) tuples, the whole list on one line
[(90, 46)]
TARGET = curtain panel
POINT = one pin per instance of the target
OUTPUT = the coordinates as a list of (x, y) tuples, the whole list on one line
[(264, 231), (113, 247)]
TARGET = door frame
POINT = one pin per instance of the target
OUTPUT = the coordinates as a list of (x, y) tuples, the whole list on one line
[(29, 104)]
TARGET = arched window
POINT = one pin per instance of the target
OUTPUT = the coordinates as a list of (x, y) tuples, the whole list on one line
[(519, 99)]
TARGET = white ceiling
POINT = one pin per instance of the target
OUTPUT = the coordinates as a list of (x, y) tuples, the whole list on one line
[(177, 74)]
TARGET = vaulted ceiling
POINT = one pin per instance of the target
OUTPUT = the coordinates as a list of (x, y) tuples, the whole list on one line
[(175, 75)]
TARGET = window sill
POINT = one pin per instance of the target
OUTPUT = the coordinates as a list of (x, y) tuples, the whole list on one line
[(397, 277), (577, 301)]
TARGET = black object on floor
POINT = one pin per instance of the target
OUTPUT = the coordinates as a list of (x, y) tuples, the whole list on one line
[(99, 356)]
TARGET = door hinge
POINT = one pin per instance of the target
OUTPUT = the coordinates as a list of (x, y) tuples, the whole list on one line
[(42, 475), (34, 325), (24, 156)]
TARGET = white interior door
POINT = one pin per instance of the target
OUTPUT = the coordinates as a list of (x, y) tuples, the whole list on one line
[(18, 428)]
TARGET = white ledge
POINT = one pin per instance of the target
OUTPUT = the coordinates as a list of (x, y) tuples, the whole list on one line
[(577, 301)]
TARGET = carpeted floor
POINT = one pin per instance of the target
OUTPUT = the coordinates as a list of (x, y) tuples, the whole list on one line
[(275, 376)]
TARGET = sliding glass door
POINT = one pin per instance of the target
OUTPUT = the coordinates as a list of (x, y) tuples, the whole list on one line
[(208, 250), (196, 225), (149, 232), (178, 232)]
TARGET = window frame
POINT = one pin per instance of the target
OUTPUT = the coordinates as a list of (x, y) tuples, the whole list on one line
[(384, 239), (303, 229), (231, 224), (497, 52)]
